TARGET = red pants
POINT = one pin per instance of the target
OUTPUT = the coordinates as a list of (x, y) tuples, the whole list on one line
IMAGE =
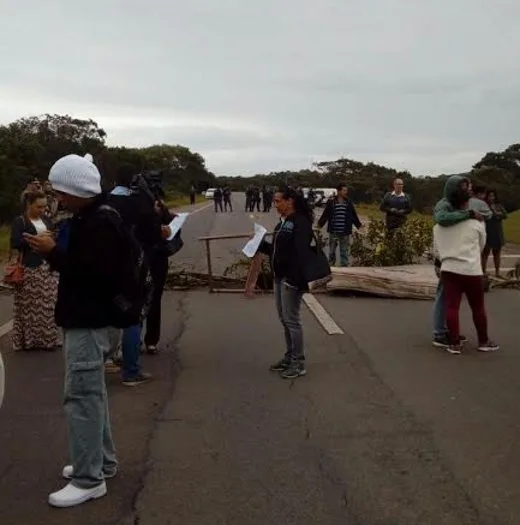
[(473, 287)]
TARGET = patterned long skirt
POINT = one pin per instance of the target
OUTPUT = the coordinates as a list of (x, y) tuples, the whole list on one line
[(34, 301)]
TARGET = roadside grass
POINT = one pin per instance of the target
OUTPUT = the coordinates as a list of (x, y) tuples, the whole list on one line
[(175, 200), (512, 227), (372, 211), (4, 242)]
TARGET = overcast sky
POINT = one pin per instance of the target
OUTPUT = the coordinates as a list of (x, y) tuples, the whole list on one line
[(266, 85)]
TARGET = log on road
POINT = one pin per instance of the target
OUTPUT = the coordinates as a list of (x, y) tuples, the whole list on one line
[(416, 281)]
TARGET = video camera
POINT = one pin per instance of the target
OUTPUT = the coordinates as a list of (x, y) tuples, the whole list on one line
[(149, 183)]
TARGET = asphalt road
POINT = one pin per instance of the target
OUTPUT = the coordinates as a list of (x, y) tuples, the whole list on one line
[(208, 223), (384, 430)]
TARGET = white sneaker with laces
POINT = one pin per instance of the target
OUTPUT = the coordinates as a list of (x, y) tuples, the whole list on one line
[(70, 496)]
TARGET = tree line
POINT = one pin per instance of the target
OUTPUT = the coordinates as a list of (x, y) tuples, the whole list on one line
[(369, 182), (29, 147)]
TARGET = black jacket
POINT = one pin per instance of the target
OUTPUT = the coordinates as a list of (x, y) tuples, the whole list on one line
[(351, 218), (138, 213), (89, 268), (22, 225), (403, 205), (290, 249)]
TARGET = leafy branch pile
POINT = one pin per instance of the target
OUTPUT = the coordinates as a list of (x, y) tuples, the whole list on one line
[(407, 245)]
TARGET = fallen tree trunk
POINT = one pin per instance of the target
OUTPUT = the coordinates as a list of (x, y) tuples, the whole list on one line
[(415, 281)]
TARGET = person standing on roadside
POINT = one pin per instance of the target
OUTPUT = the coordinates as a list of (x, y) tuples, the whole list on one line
[(289, 256), (340, 216), (249, 198), (226, 193), (397, 205), (494, 232), (90, 261), (159, 272), (459, 248), (193, 193), (445, 214), (217, 200)]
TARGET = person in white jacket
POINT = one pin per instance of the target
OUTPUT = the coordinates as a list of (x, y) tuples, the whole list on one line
[(459, 249)]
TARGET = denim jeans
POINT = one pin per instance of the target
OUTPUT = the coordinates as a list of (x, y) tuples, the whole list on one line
[(288, 305), (91, 447), (344, 246), (439, 312), (131, 348)]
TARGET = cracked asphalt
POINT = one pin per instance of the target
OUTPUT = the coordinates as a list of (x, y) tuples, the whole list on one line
[(384, 430)]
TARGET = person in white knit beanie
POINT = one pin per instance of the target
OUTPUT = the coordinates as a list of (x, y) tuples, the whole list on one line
[(89, 257), (76, 176)]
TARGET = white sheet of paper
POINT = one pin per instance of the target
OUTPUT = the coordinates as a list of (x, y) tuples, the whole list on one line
[(176, 224), (253, 244)]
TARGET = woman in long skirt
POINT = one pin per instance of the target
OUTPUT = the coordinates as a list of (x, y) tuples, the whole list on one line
[(34, 299)]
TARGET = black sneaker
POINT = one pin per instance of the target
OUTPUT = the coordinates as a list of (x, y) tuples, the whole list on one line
[(139, 379), (294, 370), (280, 366), (488, 347), (443, 341)]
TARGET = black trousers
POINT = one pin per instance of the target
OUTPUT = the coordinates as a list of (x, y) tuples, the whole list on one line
[(218, 204), (227, 202), (158, 271)]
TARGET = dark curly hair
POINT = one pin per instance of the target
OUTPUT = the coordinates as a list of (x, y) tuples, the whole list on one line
[(300, 204)]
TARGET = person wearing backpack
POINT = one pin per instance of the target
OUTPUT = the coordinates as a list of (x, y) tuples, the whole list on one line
[(98, 288), (142, 219)]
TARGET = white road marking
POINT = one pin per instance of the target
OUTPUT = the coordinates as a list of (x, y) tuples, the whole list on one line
[(200, 209), (6, 328), (322, 316)]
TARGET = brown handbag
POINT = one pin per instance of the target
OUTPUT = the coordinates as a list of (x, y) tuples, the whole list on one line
[(14, 271)]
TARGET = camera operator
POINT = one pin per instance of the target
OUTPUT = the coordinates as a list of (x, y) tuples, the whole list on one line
[(140, 215)]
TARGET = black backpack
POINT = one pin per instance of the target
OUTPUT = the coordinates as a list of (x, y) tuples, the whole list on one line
[(130, 286)]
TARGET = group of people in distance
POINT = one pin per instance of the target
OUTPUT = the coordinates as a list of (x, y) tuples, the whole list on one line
[(256, 196), (222, 195)]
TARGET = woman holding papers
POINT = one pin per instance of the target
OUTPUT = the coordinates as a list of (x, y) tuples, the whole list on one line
[(289, 254)]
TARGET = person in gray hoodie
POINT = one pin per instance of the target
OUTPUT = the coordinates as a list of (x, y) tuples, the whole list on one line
[(445, 214)]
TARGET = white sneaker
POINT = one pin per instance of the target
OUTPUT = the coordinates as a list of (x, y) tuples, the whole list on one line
[(70, 496), (68, 470)]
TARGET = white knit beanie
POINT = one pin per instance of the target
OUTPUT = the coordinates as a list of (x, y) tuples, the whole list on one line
[(75, 175)]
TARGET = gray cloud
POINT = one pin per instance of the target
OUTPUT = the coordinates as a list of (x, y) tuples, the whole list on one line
[(261, 86)]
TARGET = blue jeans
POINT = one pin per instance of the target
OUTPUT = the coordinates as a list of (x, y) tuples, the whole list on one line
[(131, 349), (288, 304), (439, 312), (92, 452), (344, 244)]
